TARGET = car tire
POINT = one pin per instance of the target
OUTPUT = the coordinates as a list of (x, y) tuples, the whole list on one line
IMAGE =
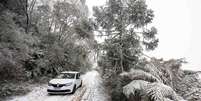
[(74, 89), (80, 84), (49, 94)]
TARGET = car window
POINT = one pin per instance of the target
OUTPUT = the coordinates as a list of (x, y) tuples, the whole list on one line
[(78, 76), (66, 76)]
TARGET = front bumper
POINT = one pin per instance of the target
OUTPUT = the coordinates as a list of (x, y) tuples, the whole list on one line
[(59, 90)]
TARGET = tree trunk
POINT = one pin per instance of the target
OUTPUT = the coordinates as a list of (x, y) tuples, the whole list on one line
[(121, 59), (27, 17)]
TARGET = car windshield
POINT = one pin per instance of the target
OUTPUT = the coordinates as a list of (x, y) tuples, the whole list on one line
[(66, 76)]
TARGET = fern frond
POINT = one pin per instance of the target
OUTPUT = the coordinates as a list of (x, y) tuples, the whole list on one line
[(159, 91), (134, 87), (138, 74), (166, 99), (152, 69)]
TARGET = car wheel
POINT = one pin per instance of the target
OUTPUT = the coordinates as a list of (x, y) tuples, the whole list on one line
[(74, 89)]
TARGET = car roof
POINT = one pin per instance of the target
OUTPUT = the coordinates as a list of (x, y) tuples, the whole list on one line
[(74, 72)]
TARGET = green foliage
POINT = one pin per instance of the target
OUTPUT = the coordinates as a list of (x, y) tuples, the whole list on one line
[(189, 87), (126, 26), (13, 48), (10, 88), (138, 74), (84, 29), (48, 47), (158, 80), (136, 87), (57, 46), (158, 92), (127, 31), (40, 41)]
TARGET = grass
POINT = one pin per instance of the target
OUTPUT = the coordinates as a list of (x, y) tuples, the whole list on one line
[(10, 88)]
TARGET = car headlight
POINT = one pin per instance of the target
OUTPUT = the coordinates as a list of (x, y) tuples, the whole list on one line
[(68, 84)]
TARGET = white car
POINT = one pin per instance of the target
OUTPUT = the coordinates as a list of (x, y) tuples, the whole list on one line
[(66, 82)]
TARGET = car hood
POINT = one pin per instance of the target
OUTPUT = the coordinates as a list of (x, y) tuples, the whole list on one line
[(60, 81)]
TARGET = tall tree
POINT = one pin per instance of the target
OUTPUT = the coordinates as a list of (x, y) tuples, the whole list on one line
[(126, 25)]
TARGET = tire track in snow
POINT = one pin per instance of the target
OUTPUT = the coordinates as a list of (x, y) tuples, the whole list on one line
[(92, 90), (40, 94), (95, 89)]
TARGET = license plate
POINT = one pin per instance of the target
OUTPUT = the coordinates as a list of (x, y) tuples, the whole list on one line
[(56, 88)]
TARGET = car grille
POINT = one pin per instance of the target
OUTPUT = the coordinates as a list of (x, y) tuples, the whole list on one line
[(58, 85), (58, 90)]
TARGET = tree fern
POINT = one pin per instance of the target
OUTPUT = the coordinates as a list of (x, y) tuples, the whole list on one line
[(159, 91), (148, 82), (138, 74), (153, 70), (154, 91), (135, 86)]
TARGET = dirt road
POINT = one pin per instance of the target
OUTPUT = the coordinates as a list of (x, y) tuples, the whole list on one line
[(92, 90)]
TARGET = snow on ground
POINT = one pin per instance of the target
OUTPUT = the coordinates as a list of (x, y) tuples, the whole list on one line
[(95, 90), (91, 80), (40, 94)]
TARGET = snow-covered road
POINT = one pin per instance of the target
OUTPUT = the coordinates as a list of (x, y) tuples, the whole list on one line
[(92, 90), (95, 89)]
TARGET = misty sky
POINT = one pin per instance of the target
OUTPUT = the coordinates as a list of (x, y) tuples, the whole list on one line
[(179, 30)]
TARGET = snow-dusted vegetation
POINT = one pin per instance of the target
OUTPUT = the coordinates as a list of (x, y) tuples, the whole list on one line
[(92, 90), (38, 40), (41, 38), (130, 74)]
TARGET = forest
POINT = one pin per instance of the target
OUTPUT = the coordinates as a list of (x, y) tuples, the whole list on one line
[(39, 39)]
